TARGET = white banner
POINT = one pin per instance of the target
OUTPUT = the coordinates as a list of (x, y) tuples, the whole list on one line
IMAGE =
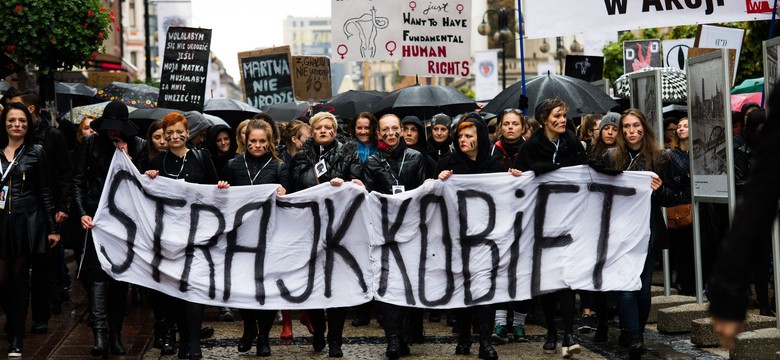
[(340, 246), (486, 71), (171, 13), (436, 39), (616, 15), (365, 30)]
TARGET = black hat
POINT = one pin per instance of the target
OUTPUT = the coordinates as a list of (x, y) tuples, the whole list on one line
[(441, 119), (411, 119), (115, 118)]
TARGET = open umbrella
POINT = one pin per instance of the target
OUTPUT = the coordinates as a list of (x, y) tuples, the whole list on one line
[(136, 95), (93, 110), (230, 110), (349, 104), (737, 100), (749, 86), (70, 95), (78, 89), (145, 117), (425, 101), (286, 111), (674, 87), (581, 96)]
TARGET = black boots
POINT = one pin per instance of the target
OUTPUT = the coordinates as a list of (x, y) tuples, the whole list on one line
[(334, 349), (101, 343), (169, 342), (393, 351), (486, 351), (115, 343), (263, 348)]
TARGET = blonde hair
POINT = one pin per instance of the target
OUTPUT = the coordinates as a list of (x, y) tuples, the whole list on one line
[(257, 124), (240, 141), (323, 116), (82, 124)]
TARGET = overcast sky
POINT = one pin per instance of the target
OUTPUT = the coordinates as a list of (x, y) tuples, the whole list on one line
[(241, 25)]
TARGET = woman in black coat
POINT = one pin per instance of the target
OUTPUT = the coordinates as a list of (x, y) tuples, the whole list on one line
[(26, 220), (259, 164), (550, 148), (193, 166), (326, 158), (472, 156)]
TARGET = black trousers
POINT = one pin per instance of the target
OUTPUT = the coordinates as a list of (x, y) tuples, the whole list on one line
[(15, 293), (42, 286), (480, 316), (335, 326)]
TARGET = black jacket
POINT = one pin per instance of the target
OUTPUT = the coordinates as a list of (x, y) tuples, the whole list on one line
[(506, 151), (459, 163), (29, 193), (60, 166), (91, 162), (383, 170), (220, 160), (539, 154), (195, 167), (266, 169), (341, 159), (437, 150)]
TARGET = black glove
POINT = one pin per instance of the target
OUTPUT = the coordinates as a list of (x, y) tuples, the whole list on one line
[(603, 169)]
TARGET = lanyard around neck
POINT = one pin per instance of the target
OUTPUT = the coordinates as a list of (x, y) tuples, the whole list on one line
[(252, 179), (10, 165), (183, 160)]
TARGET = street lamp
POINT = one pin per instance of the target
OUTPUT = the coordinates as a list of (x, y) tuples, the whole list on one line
[(502, 36)]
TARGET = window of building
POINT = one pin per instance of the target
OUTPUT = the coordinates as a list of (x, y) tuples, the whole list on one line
[(131, 11), (134, 58)]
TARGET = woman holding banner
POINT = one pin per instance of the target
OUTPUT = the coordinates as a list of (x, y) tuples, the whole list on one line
[(548, 149), (472, 156), (260, 164), (637, 150), (27, 226), (326, 158), (193, 166)]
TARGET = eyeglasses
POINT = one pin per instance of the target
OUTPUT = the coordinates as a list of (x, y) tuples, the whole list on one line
[(516, 111)]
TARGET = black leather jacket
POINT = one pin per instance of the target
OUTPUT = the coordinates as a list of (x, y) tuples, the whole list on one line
[(267, 169), (29, 191), (60, 167), (341, 159), (383, 170), (91, 162)]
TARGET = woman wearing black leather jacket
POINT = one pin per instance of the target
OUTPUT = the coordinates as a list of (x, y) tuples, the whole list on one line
[(638, 150), (472, 156), (91, 162), (193, 166), (392, 170), (326, 158), (259, 164), (26, 218)]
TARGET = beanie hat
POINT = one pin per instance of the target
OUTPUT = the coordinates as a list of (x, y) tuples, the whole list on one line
[(441, 119), (611, 118), (411, 119)]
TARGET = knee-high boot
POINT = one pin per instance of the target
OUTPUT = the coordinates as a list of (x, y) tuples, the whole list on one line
[(117, 299), (98, 310)]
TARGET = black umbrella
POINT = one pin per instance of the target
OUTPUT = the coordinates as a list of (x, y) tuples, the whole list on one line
[(581, 96), (231, 110), (145, 117), (70, 95), (425, 101), (286, 111), (348, 105)]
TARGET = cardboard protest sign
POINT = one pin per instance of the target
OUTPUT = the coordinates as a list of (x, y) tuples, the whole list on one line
[(311, 78), (639, 54), (184, 70), (473, 239), (100, 79), (436, 39), (265, 76), (588, 68)]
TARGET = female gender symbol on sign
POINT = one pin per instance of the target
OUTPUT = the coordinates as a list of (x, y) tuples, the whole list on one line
[(388, 45), (373, 23), (459, 7), (342, 50), (412, 5)]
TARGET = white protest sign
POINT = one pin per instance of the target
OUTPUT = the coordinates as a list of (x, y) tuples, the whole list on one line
[(473, 239), (721, 37), (365, 30), (436, 38), (486, 74), (616, 15)]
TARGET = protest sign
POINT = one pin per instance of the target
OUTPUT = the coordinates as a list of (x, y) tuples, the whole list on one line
[(100, 79), (436, 39), (486, 74), (585, 67), (473, 239), (265, 76), (616, 15), (675, 52), (365, 30), (639, 54), (721, 37), (311, 78), (184, 70)]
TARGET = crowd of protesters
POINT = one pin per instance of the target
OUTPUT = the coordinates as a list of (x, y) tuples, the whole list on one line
[(51, 187)]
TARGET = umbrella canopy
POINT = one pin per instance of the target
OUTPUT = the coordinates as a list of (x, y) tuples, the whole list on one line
[(136, 95), (230, 110), (749, 86), (674, 86), (581, 96), (349, 104), (425, 101), (93, 110), (145, 117), (286, 111), (737, 100), (215, 120), (78, 89)]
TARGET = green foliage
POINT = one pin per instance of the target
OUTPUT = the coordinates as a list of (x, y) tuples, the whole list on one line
[(54, 34), (468, 92)]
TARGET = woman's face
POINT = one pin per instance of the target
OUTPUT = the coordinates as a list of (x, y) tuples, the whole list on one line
[(176, 135), (16, 124), (363, 130), (467, 140), (223, 142), (257, 144), (324, 133), (511, 127), (682, 129), (303, 135), (390, 131), (609, 134), (632, 131), (86, 129), (556, 121), (158, 141), (411, 135), (242, 132), (440, 133)]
